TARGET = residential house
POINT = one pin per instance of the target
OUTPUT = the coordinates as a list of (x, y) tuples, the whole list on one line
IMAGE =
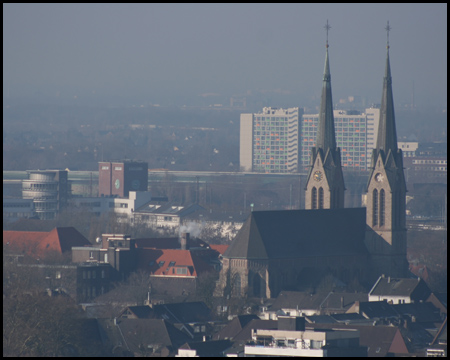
[(39, 245), (215, 348), (172, 272), (193, 318), (141, 337), (297, 303), (438, 347), (381, 341), (234, 327), (399, 290), (291, 338)]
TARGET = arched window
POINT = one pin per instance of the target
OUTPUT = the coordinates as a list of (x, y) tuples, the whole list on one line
[(237, 285), (321, 198), (382, 211), (314, 198), (375, 207)]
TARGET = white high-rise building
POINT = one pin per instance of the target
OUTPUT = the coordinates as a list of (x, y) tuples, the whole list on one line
[(356, 136), (270, 140)]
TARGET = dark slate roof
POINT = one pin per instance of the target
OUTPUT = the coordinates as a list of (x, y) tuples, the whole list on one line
[(234, 327), (136, 332), (320, 319), (377, 310), (300, 233), (348, 318), (388, 286), (141, 312), (422, 311), (188, 312), (322, 300)]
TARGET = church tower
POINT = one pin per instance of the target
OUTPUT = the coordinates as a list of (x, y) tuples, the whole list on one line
[(386, 193), (325, 182)]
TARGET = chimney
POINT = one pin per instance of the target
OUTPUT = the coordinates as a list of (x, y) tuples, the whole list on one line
[(389, 280), (184, 241)]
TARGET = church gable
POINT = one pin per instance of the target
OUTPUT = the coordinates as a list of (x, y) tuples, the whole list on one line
[(247, 243)]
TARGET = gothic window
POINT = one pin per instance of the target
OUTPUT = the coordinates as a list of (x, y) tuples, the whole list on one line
[(375, 207), (314, 198), (321, 198), (237, 284), (382, 211)]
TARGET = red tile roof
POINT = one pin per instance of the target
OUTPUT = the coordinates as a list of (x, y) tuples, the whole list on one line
[(165, 262), (219, 248), (37, 244)]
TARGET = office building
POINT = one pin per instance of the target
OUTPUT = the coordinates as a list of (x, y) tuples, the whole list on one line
[(270, 140), (49, 190)]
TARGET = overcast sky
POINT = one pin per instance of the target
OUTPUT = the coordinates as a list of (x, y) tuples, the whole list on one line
[(168, 53)]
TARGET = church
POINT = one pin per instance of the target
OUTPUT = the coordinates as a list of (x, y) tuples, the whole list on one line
[(278, 250)]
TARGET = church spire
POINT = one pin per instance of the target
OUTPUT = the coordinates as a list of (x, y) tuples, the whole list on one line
[(326, 138), (325, 183), (387, 135)]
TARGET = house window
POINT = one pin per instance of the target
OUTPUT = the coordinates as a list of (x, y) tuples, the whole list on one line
[(172, 263), (91, 254), (103, 274), (161, 263), (58, 275), (181, 271)]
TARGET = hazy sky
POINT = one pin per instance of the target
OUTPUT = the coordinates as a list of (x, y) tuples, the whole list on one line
[(169, 53)]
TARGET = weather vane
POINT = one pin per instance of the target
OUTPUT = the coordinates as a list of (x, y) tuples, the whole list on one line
[(327, 27), (387, 28)]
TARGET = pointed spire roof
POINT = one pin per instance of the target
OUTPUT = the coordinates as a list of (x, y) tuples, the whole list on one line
[(326, 138), (387, 134)]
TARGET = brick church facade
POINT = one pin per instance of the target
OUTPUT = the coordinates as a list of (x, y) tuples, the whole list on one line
[(280, 250)]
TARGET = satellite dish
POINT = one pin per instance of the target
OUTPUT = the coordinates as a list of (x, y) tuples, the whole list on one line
[(98, 240)]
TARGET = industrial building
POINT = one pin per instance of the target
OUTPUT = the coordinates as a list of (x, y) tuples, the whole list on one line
[(121, 177)]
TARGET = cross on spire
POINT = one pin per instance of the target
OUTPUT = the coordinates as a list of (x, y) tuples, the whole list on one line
[(388, 28), (327, 27)]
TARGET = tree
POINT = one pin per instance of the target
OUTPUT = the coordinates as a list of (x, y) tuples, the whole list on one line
[(206, 283)]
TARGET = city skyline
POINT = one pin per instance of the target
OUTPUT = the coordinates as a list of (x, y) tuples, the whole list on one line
[(177, 54)]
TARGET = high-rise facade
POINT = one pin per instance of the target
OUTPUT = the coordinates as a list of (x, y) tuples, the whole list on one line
[(270, 140), (351, 130)]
